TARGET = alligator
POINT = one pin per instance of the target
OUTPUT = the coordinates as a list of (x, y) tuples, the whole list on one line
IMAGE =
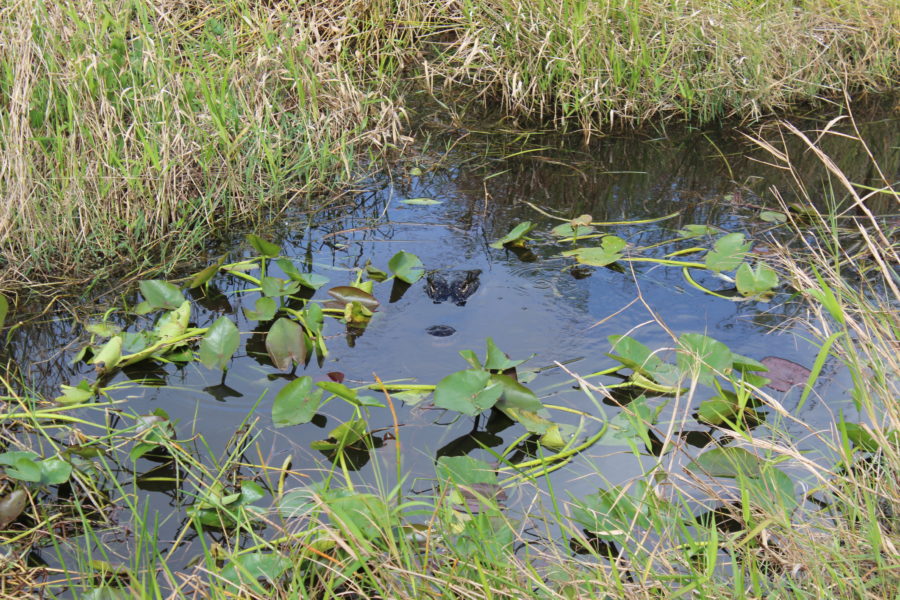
[(456, 286)]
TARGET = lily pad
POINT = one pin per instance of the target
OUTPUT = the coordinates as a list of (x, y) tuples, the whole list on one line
[(771, 216), (286, 344), (703, 357), (728, 252), (755, 282), (784, 374), (263, 247), (406, 267), (516, 237), (421, 201), (609, 251), (470, 392), (296, 403), (312, 281), (11, 506), (206, 274), (161, 294), (346, 294), (219, 344), (265, 310)]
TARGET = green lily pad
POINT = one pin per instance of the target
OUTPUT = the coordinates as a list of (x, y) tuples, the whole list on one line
[(609, 251), (728, 252), (109, 355), (173, 323), (497, 360), (755, 282), (265, 310), (703, 357), (406, 267), (470, 392), (262, 247), (206, 274), (568, 230), (516, 237), (312, 281), (286, 344), (421, 201), (219, 343), (161, 294), (771, 216), (296, 403)]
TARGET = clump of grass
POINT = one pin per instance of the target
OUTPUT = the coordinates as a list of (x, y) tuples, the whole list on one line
[(595, 65), (133, 131)]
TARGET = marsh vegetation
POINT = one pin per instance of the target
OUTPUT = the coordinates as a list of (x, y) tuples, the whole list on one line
[(321, 301)]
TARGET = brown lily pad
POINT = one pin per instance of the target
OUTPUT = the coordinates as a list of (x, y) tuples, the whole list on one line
[(784, 374)]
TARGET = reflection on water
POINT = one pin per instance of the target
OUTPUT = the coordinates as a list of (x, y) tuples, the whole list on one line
[(531, 303)]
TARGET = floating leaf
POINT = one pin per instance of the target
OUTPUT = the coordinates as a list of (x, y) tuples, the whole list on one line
[(693, 230), (726, 408), (465, 470), (609, 251), (634, 355), (569, 230), (703, 357), (312, 281), (342, 391), (784, 374), (421, 201), (161, 294), (25, 466), (219, 344), (515, 394), (342, 436), (265, 310), (173, 323), (406, 267), (247, 570), (531, 420), (206, 274), (11, 506), (262, 247), (728, 252), (72, 395), (614, 513), (632, 422), (515, 237), (754, 282), (469, 392), (767, 485), (770, 216), (496, 359), (296, 403), (286, 344), (109, 355), (346, 294)]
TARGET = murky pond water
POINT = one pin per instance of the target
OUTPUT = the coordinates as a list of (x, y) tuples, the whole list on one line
[(533, 304)]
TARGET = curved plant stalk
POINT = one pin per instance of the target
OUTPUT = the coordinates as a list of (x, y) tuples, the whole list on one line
[(690, 280)]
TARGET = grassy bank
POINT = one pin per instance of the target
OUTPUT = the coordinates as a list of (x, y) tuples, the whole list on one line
[(131, 132)]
